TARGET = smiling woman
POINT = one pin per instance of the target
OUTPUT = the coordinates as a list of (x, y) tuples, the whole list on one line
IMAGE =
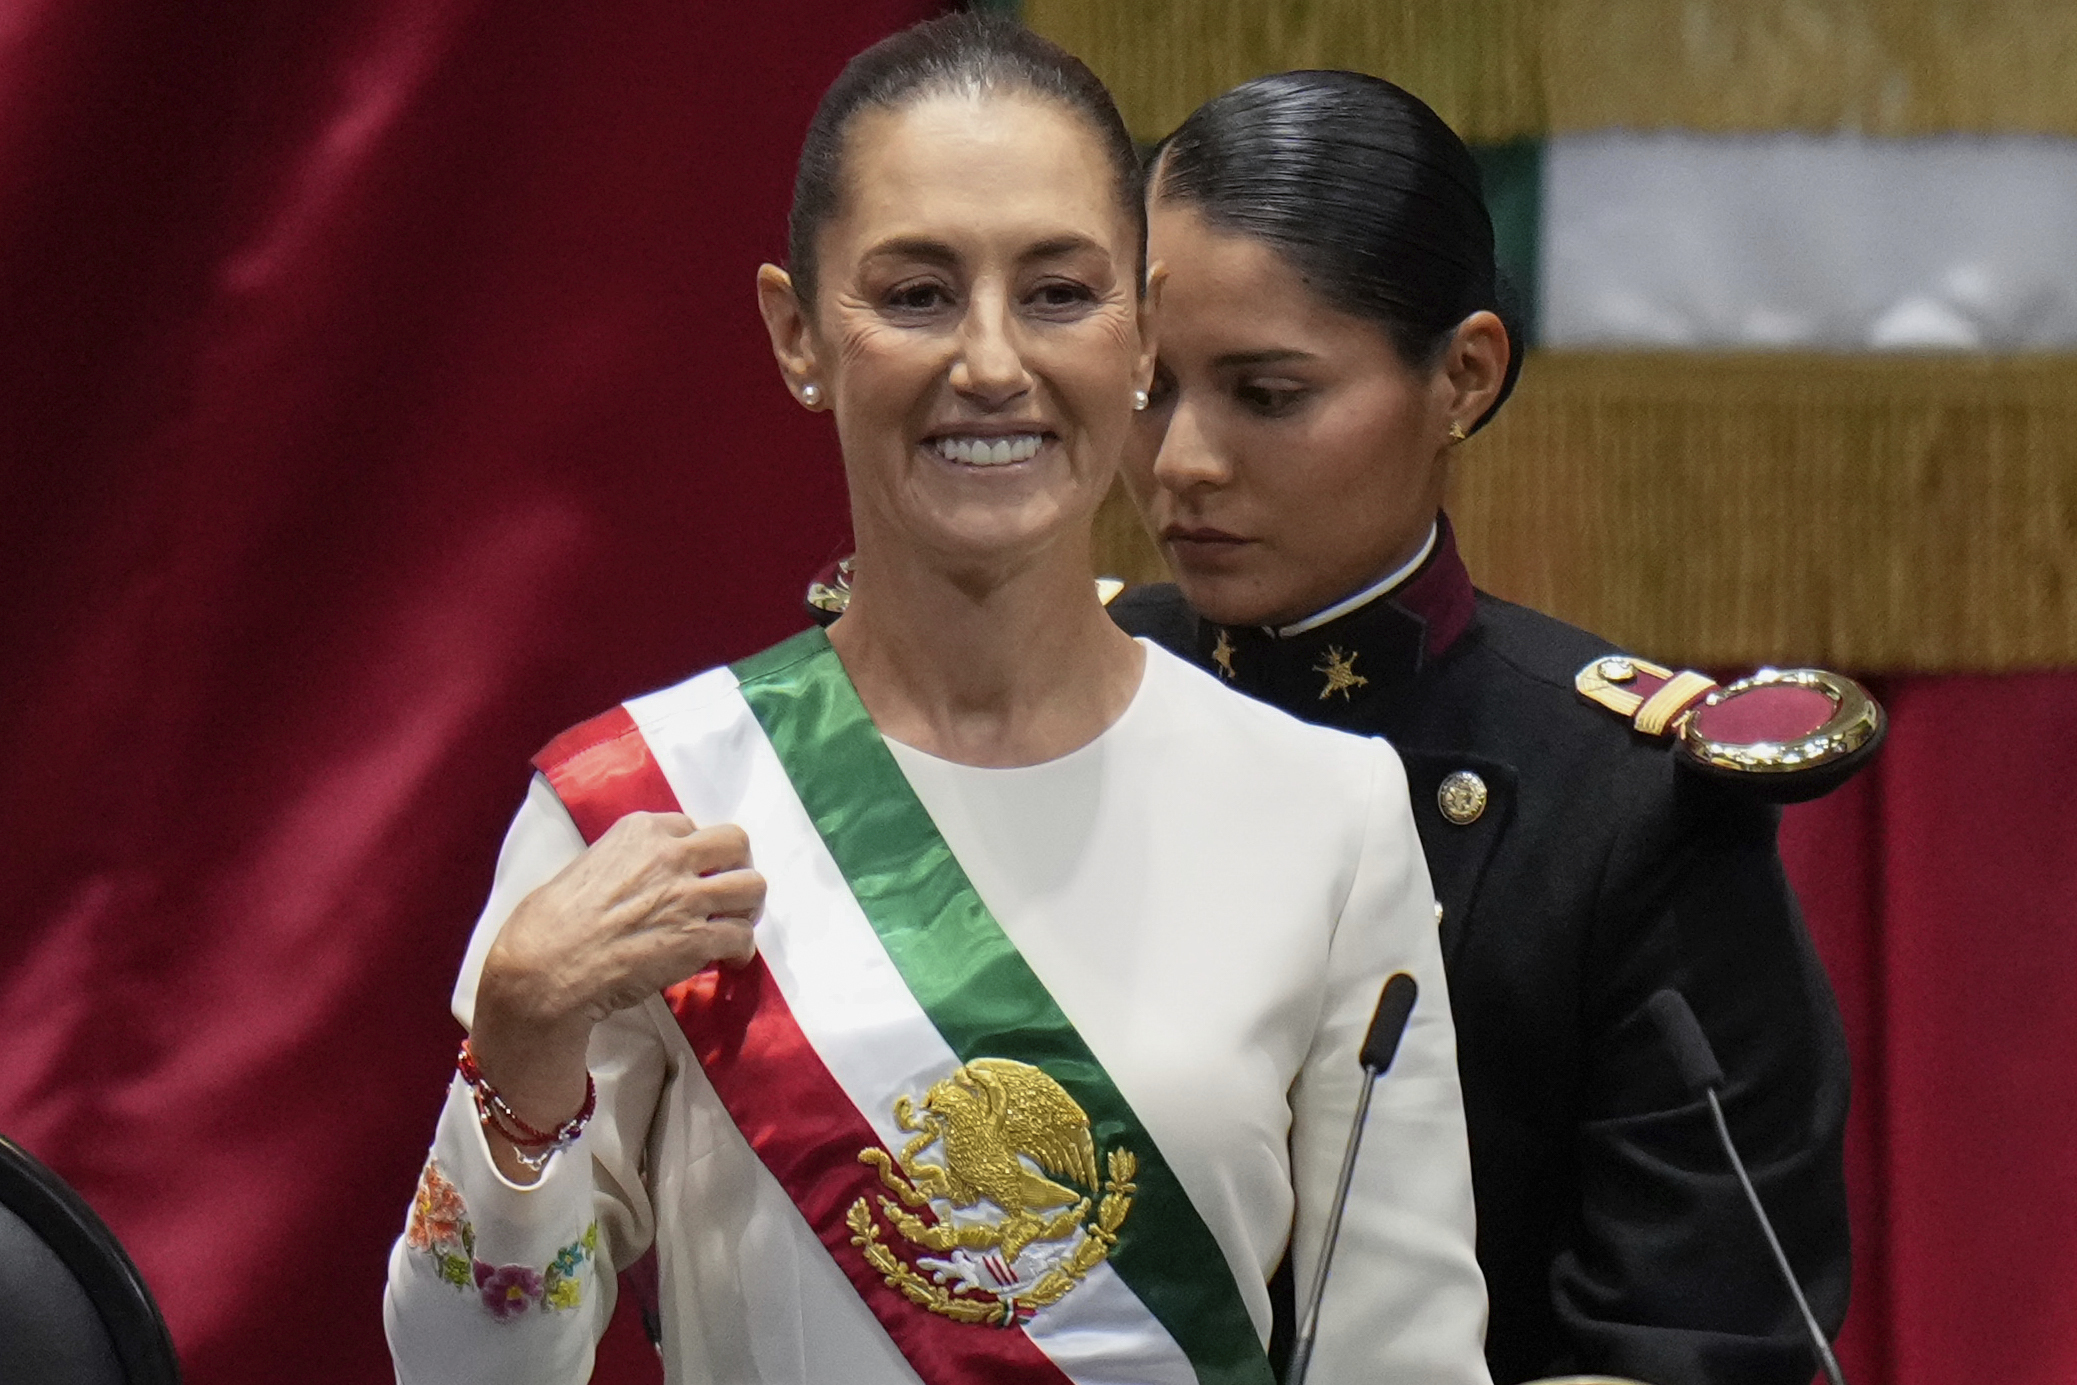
[(1039, 1050), (972, 318)]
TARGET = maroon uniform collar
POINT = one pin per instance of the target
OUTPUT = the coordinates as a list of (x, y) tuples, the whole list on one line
[(1360, 656)]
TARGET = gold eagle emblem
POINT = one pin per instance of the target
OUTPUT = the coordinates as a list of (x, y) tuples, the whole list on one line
[(1010, 1196)]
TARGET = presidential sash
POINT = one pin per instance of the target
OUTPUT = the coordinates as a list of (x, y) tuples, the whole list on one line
[(895, 1063)]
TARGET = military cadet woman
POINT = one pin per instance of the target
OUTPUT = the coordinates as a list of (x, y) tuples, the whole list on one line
[(1329, 332), (1044, 1046)]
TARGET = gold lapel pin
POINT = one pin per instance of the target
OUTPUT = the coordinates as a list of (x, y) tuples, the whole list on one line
[(1340, 670)]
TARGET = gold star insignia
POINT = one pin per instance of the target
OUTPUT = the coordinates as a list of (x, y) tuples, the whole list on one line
[(1222, 655), (1341, 673)]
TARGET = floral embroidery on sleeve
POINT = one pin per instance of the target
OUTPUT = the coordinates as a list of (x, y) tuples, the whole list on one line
[(440, 1230)]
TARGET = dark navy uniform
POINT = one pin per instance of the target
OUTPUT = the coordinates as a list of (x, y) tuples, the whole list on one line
[(1581, 866)]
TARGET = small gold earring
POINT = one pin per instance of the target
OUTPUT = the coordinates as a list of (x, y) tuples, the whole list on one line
[(1457, 433), (811, 394), (1139, 401)]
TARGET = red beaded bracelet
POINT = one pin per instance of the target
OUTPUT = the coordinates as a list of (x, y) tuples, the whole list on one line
[(497, 1115)]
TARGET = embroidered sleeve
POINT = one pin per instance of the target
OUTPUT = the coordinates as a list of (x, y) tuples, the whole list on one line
[(440, 1231), (501, 1284)]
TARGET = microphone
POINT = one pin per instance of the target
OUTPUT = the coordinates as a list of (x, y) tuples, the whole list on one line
[(1395, 1005), (1701, 1075)]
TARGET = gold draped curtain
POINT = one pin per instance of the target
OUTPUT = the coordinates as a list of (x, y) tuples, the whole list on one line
[(1865, 512), (1507, 69)]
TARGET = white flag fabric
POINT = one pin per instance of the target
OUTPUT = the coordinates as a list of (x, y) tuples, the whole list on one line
[(1832, 242)]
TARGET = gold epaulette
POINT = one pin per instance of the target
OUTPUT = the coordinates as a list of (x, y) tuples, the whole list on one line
[(1786, 734)]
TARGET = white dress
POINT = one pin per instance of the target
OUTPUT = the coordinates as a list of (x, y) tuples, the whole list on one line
[(1212, 891)]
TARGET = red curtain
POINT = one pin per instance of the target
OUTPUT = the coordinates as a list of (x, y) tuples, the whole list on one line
[(1942, 888), (381, 391)]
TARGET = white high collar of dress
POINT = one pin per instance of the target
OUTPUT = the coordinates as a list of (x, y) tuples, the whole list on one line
[(1362, 598)]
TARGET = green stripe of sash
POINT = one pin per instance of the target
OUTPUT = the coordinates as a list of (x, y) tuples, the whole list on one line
[(977, 988)]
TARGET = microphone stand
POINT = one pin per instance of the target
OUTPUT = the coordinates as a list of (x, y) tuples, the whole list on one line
[(1394, 1007), (1302, 1348), (1702, 1076), (1825, 1359)]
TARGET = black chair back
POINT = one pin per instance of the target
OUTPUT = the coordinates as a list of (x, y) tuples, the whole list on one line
[(73, 1309)]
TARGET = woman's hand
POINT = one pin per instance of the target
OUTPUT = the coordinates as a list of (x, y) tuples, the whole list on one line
[(648, 904)]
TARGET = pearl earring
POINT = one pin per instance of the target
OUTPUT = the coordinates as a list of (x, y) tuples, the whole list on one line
[(1139, 401), (811, 394)]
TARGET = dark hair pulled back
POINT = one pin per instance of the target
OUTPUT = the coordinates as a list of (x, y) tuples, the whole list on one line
[(1363, 189), (971, 53)]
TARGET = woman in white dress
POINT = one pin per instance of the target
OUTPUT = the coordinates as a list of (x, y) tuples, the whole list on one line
[(1039, 1047)]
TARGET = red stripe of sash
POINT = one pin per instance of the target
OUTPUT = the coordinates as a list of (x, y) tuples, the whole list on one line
[(774, 1084)]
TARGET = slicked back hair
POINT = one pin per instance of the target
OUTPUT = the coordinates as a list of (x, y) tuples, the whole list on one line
[(965, 53), (1363, 189)]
